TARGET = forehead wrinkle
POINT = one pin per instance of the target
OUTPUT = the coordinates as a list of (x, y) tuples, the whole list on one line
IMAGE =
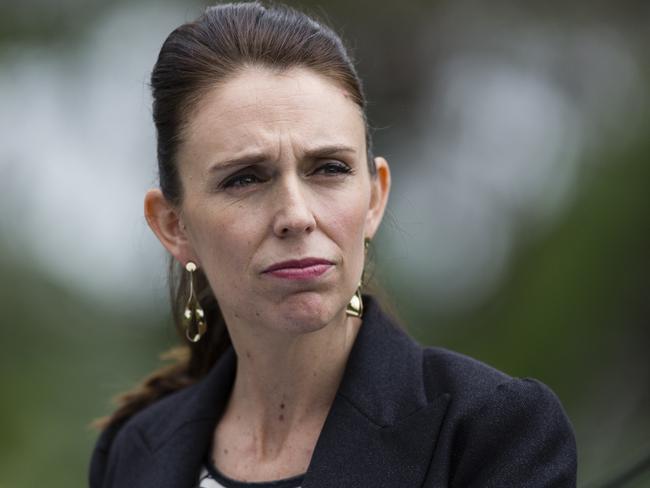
[(231, 122), (254, 124)]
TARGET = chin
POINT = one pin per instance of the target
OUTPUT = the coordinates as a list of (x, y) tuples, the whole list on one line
[(307, 312)]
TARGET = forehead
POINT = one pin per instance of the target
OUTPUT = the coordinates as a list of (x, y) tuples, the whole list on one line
[(271, 111)]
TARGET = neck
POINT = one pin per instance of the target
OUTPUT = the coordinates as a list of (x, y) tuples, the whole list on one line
[(285, 383)]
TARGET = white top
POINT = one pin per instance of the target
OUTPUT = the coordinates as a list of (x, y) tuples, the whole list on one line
[(210, 477)]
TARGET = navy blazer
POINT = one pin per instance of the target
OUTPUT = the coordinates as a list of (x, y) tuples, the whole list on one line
[(404, 416)]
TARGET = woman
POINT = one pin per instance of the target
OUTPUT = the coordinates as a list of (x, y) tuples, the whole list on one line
[(269, 195)]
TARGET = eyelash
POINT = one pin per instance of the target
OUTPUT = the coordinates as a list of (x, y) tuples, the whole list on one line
[(339, 167), (234, 181), (237, 180)]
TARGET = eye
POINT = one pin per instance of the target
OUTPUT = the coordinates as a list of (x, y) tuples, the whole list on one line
[(334, 168), (240, 181)]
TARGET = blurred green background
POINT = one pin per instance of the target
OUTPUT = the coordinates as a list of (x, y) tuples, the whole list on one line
[(518, 229)]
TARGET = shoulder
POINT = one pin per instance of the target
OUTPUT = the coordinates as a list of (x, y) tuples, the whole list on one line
[(459, 374), (499, 430), (474, 385), (127, 438), (161, 414), (472, 382), (182, 419), (480, 393)]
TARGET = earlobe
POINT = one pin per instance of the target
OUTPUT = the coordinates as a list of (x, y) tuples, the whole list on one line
[(379, 196), (164, 221)]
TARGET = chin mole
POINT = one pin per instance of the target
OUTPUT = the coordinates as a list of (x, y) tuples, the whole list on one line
[(281, 417), (282, 405)]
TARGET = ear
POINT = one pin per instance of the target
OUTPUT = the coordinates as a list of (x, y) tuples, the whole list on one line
[(380, 188), (165, 221)]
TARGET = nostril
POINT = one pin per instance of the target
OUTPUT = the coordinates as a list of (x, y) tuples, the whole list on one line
[(293, 219)]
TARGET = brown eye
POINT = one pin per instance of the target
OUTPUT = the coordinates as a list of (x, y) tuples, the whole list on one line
[(334, 168), (241, 181)]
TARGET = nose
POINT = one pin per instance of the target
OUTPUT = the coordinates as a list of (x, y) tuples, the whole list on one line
[(293, 215)]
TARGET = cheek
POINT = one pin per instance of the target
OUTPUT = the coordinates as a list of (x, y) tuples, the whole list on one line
[(223, 242), (345, 219), (226, 248), (349, 210)]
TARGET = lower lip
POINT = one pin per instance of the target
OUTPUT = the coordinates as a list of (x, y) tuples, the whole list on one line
[(306, 273)]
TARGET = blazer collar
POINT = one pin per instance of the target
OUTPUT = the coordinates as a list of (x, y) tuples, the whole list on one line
[(177, 432), (382, 427), (380, 431)]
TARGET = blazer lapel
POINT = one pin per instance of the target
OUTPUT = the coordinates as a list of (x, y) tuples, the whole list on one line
[(380, 431), (179, 437), (382, 428)]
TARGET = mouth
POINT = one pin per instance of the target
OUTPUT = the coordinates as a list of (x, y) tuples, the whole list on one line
[(299, 269)]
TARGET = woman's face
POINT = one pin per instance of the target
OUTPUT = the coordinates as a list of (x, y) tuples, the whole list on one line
[(277, 197)]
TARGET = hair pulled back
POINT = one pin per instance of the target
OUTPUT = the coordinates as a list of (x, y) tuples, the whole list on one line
[(196, 57)]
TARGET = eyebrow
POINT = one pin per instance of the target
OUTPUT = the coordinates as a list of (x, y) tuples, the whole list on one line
[(260, 157)]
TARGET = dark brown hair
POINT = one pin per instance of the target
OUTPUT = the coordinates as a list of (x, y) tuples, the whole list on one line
[(196, 57)]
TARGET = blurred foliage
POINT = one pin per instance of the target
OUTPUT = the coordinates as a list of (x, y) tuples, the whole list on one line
[(62, 358), (572, 310)]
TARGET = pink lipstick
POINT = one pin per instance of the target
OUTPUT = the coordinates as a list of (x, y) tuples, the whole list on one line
[(299, 269)]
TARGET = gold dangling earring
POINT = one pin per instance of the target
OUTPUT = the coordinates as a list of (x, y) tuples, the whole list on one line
[(355, 306), (193, 315)]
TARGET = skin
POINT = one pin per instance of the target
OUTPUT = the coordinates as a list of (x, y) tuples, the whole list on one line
[(295, 200)]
